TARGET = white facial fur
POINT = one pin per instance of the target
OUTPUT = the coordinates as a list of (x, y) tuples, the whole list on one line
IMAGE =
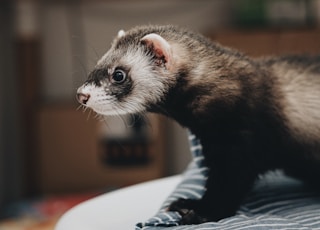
[(100, 101), (149, 83)]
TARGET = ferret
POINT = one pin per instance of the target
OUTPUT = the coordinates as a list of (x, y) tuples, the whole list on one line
[(251, 115)]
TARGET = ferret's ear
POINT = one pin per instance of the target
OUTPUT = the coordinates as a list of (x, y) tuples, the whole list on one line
[(121, 33), (160, 47)]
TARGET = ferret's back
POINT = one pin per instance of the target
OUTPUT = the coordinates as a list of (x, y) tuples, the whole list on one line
[(299, 83)]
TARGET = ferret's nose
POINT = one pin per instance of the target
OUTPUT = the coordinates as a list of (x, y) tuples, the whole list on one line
[(82, 97)]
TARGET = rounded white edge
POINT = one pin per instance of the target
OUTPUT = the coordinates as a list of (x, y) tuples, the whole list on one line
[(120, 209)]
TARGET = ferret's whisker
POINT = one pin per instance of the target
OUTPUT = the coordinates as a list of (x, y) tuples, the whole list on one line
[(104, 120), (132, 121), (83, 67), (79, 107), (89, 114)]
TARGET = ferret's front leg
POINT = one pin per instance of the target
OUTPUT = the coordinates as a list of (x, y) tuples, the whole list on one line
[(227, 185)]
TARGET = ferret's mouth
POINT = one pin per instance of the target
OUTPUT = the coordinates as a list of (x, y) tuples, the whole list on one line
[(106, 111), (107, 108)]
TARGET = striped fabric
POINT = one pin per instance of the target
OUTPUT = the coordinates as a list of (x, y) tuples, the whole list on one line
[(276, 202)]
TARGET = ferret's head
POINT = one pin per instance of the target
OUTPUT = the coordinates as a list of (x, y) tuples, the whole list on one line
[(134, 74)]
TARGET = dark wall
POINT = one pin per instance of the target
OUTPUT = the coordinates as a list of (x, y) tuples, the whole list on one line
[(10, 141)]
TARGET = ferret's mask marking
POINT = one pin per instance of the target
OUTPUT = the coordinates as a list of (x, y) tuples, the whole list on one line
[(129, 79)]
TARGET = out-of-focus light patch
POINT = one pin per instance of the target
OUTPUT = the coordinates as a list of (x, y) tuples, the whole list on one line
[(26, 15)]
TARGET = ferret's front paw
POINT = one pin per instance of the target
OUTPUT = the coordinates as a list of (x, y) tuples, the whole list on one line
[(189, 211)]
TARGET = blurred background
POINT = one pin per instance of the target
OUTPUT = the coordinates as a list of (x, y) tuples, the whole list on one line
[(53, 154)]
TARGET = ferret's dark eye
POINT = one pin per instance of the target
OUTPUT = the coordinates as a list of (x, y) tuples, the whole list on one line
[(119, 76)]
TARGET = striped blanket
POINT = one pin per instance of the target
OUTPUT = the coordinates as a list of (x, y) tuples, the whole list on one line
[(276, 202)]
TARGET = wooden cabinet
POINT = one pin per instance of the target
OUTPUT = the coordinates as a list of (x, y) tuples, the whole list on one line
[(271, 42), (73, 153)]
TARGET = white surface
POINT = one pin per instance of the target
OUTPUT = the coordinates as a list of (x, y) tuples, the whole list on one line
[(121, 209)]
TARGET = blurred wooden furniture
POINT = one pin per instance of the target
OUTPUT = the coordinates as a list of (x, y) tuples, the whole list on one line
[(271, 42), (72, 153)]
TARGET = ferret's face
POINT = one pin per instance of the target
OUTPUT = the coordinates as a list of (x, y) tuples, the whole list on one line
[(128, 78)]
